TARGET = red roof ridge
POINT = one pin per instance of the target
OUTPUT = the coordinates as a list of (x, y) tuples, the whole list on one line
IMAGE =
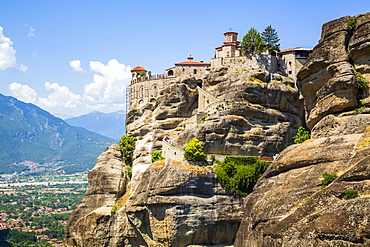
[(295, 48), (137, 68), (193, 63)]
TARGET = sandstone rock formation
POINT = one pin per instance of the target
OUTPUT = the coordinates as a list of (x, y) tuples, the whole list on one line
[(107, 183), (175, 204), (328, 80), (251, 115), (287, 206), (150, 123)]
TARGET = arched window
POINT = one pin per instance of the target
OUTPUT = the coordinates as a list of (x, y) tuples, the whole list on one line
[(170, 72), (228, 54)]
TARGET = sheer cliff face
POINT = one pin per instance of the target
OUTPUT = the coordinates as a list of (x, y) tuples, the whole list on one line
[(287, 206), (328, 80), (251, 114), (173, 203)]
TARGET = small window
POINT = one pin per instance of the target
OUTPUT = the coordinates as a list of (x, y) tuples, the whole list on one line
[(290, 72), (194, 71)]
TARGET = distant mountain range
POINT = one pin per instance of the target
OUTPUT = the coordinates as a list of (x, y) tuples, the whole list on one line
[(107, 124), (28, 133)]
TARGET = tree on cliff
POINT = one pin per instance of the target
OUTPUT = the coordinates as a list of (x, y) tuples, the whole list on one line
[(127, 146), (194, 151), (252, 42), (271, 39)]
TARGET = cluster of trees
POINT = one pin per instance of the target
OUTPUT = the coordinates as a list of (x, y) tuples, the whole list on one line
[(15, 238), (238, 175), (255, 42)]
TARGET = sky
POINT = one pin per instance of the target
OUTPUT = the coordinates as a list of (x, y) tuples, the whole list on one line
[(74, 57)]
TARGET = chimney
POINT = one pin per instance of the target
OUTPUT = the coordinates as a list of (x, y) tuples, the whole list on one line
[(190, 59)]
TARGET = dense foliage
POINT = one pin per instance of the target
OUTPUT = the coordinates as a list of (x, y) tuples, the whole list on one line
[(361, 81), (352, 22), (350, 194), (328, 178), (194, 151), (157, 155), (24, 239), (252, 42), (271, 39), (127, 146), (238, 175), (301, 135)]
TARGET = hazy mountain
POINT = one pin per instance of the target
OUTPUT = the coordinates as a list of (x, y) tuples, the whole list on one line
[(108, 124), (29, 133), (63, 116)]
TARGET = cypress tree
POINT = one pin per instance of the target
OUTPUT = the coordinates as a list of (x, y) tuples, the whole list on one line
[(271, 39)]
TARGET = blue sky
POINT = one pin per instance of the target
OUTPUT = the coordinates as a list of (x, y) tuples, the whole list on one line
[(105, 39)]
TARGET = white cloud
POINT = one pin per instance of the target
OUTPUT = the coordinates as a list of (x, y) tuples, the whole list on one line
[(61, 97), (23, 93), (31, 31), (7, 54), (106, 93), (76, 65), (109, 84)]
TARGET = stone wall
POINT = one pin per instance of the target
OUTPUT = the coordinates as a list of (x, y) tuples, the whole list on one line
[(142, 92), (204, 99), (171, 152), (265, 62)]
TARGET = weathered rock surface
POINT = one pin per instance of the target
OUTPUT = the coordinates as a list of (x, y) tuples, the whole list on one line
[(107, 183), (257, 117), (174, 205), (328, 81), (287, 206), (152, 122)]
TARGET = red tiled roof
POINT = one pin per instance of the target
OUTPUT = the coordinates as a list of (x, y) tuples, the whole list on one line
[(192, 63), (230, 32), (138, 68), (296, 48)]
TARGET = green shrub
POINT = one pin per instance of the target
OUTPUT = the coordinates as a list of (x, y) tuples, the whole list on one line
[(301, 135), (194, 151), (350, 194), (352, 22), (357, 110), (157, 155), (204, 117), (113, 209), (129, 172), (361, 81), (127, 146), (328, 178), (238, 175)]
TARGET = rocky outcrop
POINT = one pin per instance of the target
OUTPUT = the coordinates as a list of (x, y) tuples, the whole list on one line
[(328, 80), (150, 123), (288, 207), (175, 204), (251, 115), (107, 183)]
